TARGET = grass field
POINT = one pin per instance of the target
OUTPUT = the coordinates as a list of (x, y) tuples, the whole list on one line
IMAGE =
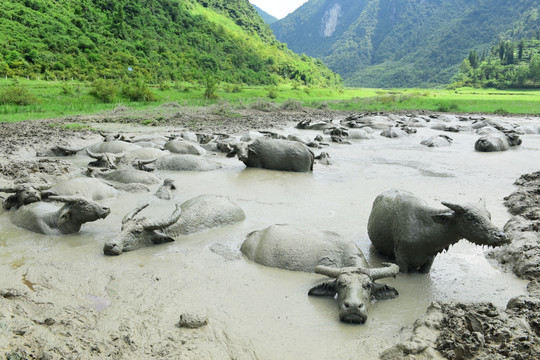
[(57, 99)]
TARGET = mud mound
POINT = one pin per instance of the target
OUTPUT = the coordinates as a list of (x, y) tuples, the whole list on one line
[(474, 331), (481, 331), (522, 256), (35, 171)]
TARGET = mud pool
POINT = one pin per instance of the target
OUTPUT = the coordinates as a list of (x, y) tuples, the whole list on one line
[(259, 312)]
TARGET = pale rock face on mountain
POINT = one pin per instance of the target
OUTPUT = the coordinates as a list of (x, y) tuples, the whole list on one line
[(397, 43), (330, 20)]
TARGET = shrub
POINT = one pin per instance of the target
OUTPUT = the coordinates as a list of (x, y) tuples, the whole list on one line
[(265, 106), (211, 84), (104, 90), (16, 95), (272, 92), (291, 105), (138, 90), (443, 107)]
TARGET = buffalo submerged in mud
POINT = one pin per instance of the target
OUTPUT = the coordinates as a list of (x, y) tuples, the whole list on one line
[(198, 226)]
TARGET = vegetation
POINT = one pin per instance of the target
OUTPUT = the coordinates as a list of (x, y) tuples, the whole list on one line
[(397, 43), (50, 99), (152, 40), (506, 65)]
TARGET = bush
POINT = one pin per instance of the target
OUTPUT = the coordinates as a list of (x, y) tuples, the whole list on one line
[(211, 84), (16, 95), (138, 90), (272, 92), (442, 107), (265, 106), (104, 90), (291, 105)]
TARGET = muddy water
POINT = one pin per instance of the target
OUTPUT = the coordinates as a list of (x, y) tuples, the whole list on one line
[(267, 311)]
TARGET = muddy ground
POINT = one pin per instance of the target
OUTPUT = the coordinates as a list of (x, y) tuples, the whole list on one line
[(447, 330)]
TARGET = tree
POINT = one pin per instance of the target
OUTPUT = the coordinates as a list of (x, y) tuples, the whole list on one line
[(521, 46), (473, 59), (508, 53)]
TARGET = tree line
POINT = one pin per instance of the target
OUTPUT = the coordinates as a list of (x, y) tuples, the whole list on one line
[(507, 64)]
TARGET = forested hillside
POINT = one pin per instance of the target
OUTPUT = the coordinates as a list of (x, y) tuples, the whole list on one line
[(269, 19), (157, 40), (403, 43), (506, 65)]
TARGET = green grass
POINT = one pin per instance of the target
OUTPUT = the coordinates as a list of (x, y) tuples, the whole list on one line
[(54, 101)]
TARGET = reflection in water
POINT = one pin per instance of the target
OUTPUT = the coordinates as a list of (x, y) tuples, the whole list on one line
[(270, 307)]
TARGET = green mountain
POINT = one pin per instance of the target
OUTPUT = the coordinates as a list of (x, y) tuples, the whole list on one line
[(402, 43), (269, 19), (508, 64), (156, 40)]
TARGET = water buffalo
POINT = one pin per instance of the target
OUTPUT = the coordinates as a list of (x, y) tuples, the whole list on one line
[(394, 132), (90, 188), (104, 159), (184, 147), (206, 212), (52, 219), (137, 233), (23, 194), (115, 147), (198, 214), (165, 190), (402, 226), (437, 141), (327, 253), (275, 154), (60, 149), (497, 142), (185, 163), (125, 176)]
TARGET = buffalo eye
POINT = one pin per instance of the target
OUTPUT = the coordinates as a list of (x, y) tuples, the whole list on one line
[(341, 284), (367, 286)]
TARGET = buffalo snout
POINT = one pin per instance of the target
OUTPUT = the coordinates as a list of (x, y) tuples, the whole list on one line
[(112, 248)]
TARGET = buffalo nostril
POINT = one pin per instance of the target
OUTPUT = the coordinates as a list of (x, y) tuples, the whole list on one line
[(346, 305)]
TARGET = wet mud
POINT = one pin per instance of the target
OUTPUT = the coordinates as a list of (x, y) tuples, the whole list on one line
[(199, 298)]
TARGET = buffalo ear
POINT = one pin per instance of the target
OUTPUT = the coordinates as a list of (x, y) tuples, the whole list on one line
[(10, 202), (443, 219), (327, 288), (383, 291), (161, 238), (231, 153)]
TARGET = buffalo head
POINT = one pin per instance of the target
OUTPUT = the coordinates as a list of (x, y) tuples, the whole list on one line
[(355, 287), (240, 149), (104, 160), (76, 211), (137, 233), (473, 222), (23, 195)]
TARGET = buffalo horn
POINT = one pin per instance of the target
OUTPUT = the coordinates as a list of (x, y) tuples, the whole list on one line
[(130, 215), (167, 222), (11, 189), (328, 271), (455, 207), (146, 162), (94, 155), (389, 270)]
